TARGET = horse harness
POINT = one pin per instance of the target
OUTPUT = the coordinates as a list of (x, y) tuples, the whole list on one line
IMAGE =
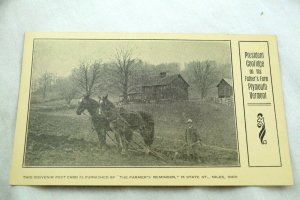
[(117, 116)]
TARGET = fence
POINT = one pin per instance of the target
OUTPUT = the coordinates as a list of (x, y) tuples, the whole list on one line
[(229, 101)]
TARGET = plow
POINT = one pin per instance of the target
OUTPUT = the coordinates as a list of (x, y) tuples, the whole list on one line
[(168, 155)]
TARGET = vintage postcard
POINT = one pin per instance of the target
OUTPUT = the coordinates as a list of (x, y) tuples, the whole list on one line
[(139, 109)]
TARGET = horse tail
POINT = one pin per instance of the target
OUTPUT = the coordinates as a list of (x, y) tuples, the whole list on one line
[(148, 133)]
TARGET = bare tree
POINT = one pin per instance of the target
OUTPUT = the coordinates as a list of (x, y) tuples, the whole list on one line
[(204, 75), (34, 84), (87, 77), (45, 83), (67, 89), (124, 63)]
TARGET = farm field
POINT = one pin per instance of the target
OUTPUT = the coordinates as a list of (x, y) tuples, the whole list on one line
[(58, 137)]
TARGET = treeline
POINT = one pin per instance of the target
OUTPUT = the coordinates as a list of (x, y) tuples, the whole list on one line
[(122, 75)]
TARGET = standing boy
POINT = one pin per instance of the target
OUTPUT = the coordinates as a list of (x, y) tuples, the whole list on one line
[(192, 140)]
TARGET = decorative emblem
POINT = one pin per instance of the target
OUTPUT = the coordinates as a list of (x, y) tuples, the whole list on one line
[(261, 125)]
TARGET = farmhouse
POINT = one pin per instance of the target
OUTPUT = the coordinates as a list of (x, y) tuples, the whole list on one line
[(162, 87), (225, 88)]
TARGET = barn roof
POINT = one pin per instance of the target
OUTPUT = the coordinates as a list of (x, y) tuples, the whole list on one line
[(158, 80), (227, 80)]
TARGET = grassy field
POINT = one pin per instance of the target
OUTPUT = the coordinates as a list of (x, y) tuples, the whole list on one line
[(58, 137)]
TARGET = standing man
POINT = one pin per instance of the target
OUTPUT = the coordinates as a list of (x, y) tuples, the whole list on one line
[(192, 140)]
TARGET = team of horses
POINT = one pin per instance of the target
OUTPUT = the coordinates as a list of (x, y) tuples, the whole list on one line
[(123, 123)]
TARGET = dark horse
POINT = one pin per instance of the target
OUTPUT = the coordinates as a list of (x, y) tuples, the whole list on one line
[(100, 123), (123, 123)]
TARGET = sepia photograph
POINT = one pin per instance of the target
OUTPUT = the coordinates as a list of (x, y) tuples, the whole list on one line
[(131, 103)]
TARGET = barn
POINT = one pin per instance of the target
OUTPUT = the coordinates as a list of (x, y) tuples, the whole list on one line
[(161, 87), (225, 88)]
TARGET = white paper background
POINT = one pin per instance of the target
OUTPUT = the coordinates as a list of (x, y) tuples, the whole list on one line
[(237, 17)]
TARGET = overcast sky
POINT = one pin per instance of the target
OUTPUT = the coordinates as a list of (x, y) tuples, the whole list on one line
[(60, 56)]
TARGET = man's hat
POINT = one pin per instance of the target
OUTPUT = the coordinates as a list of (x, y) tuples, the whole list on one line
[(189, 120)]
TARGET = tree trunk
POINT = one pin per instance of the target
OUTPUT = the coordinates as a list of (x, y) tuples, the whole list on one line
[(203, 93), (44, 91), (125, 88), (125, 93)]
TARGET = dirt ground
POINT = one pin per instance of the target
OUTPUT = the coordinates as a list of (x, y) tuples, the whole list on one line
[(58, 137)]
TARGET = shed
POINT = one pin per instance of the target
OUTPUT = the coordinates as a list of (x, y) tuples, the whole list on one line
[(225, 88)]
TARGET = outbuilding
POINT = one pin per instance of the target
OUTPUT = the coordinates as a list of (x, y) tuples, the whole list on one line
[(225, 88)]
